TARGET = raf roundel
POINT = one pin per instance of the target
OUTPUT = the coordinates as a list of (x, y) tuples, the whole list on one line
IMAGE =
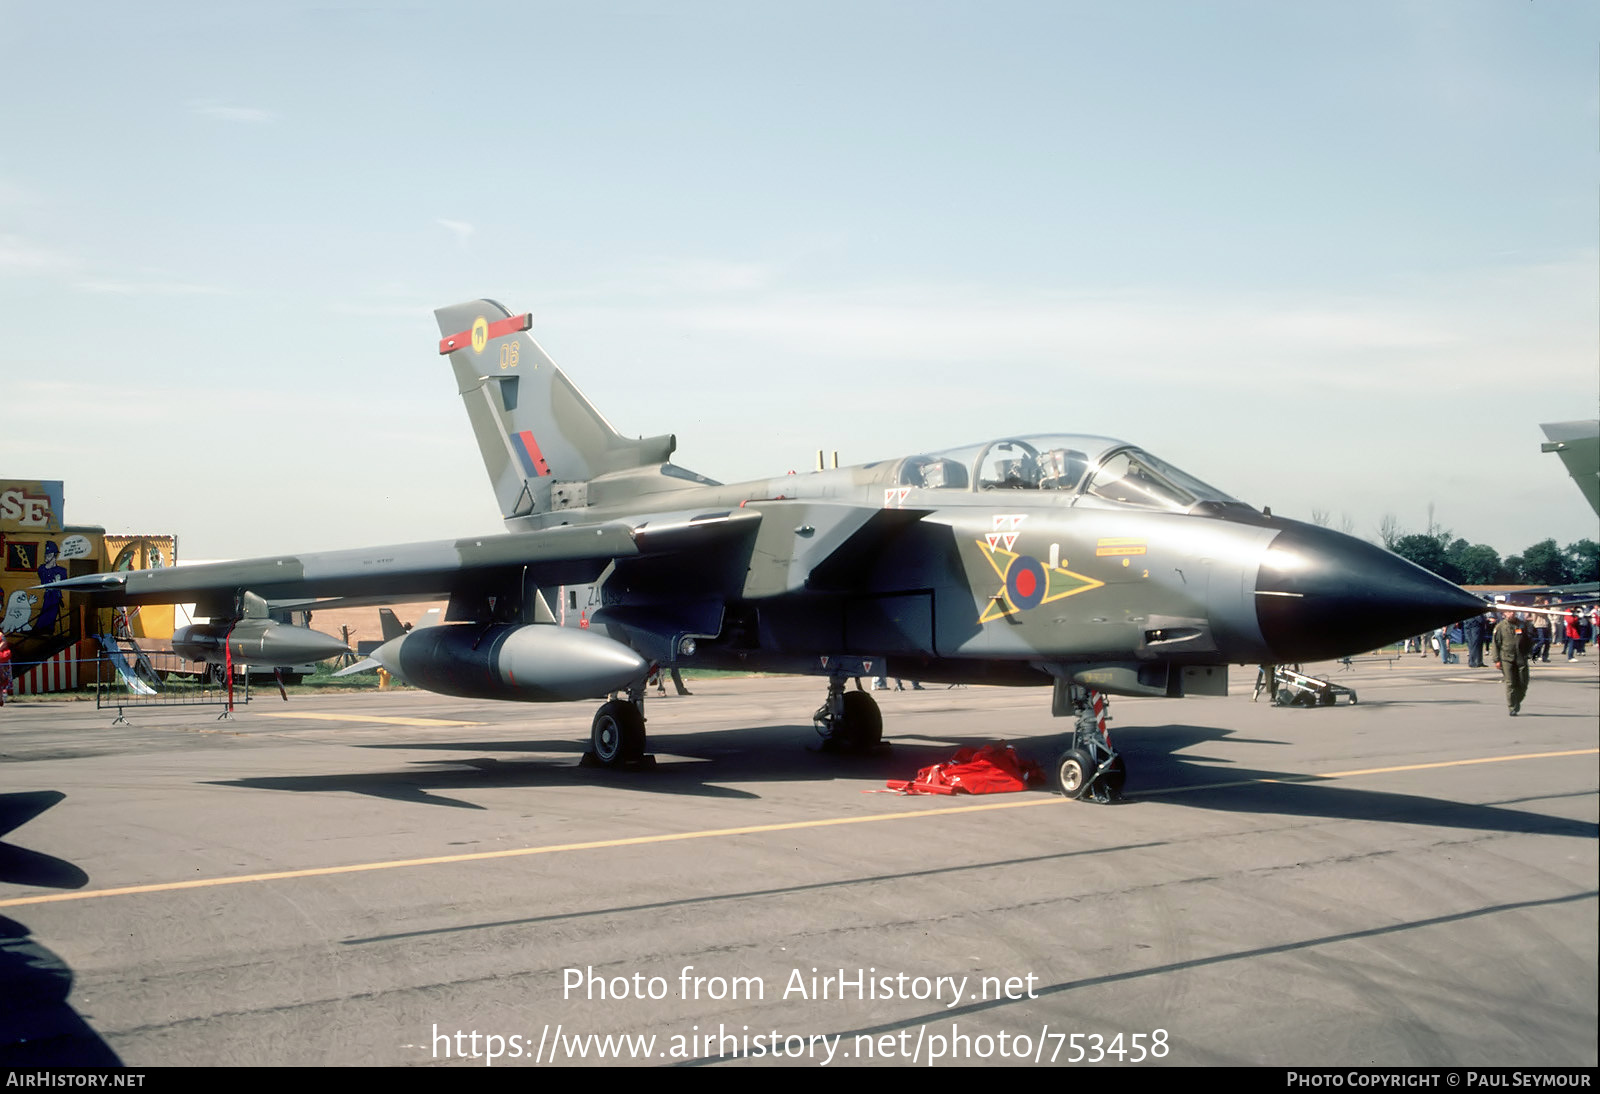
[(1026, 582)]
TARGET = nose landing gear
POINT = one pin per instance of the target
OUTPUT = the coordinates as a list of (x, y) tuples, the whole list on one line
[(1090, 768)]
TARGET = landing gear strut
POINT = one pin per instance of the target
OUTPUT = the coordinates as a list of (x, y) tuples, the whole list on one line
[(848, 720), (1089, 768)]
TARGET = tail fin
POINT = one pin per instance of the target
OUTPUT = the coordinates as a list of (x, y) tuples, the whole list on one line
[(540, 438), (393, 628)]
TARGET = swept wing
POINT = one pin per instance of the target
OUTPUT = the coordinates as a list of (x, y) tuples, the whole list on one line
[(464, 567)]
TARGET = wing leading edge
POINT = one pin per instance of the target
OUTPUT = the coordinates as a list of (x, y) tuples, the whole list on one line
[(569, 554)]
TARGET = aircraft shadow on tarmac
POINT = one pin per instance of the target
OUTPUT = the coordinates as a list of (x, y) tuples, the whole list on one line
[(701, 764), (1154, 760), (37, 1026), (20, 866), (697, 764)]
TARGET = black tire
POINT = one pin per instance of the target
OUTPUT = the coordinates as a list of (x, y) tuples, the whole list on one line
[(1073, 772), (1352, 698), (617, 736), (860, 727)]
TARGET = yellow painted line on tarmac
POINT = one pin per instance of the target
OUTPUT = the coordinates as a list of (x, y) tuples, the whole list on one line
[(377, 718), (713, 833), (477, 856)]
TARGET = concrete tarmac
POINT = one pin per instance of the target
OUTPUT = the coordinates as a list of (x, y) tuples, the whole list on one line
[(404, 878)]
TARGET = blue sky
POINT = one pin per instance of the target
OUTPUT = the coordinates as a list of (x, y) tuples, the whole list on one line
[(1323, 256)]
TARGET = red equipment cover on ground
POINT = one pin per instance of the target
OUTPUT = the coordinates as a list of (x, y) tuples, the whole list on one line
[(992, 769)]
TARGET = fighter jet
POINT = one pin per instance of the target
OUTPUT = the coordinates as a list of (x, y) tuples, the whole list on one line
[(1077, 562)]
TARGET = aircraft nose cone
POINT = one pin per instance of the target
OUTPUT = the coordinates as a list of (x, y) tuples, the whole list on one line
[(1321, 594)]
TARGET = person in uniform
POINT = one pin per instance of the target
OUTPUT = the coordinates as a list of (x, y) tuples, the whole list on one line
[(1513, 650)]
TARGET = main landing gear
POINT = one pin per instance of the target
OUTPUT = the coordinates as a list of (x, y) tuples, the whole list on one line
[(616, 738), (1089, 768), (848, 720)]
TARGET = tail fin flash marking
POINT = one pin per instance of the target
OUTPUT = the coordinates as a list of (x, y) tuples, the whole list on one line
[(533, 427), (532, 459), (479, 334)]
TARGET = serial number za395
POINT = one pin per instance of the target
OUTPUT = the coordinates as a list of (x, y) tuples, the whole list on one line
[(1093, 1048)]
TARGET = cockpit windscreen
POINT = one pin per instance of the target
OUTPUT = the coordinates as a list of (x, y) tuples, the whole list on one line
[(1093, 467)]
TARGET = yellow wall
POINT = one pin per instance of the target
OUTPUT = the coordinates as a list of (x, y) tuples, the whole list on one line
[(144, 553)]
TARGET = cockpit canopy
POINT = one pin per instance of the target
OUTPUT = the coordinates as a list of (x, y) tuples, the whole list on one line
[(1096, 468)]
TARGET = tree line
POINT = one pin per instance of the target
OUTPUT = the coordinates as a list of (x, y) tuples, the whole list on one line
[(1543, 563), (1454, 559), (1465, 563)]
